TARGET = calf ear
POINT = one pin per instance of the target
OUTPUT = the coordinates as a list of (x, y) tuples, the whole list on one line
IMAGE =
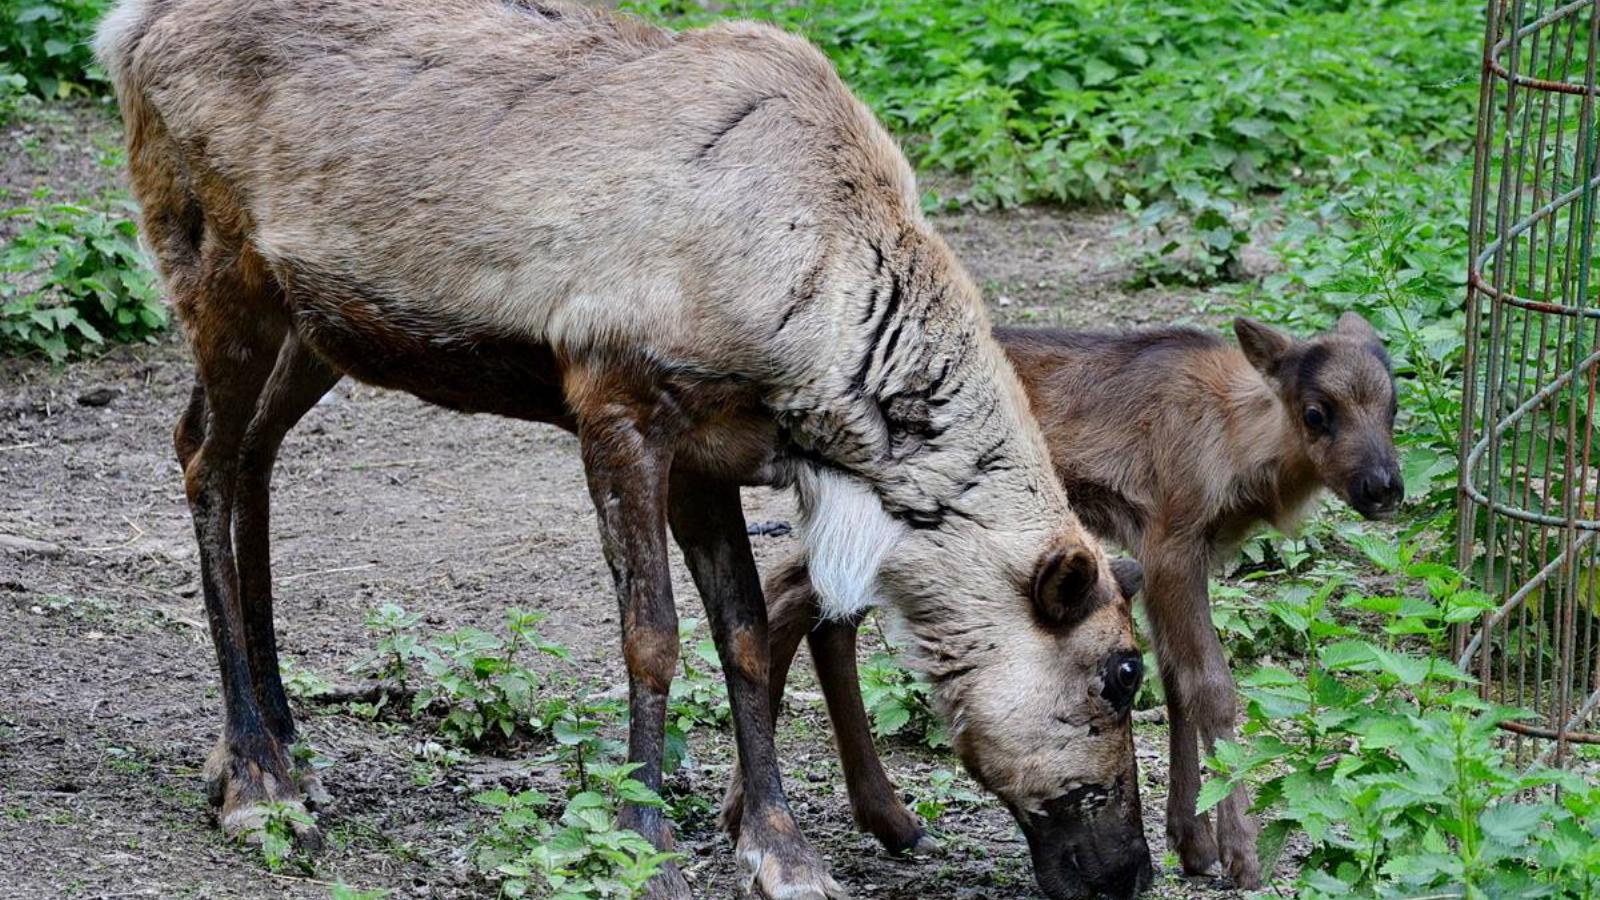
[(1263, 345), (1066, 586), (1129, 575), (1354, 325)]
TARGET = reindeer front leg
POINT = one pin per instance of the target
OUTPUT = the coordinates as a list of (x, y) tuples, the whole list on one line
[(626, 457), (709, 525), (1200, 705)]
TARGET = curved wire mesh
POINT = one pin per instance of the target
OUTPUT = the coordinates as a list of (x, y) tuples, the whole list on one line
[(1530, 491)]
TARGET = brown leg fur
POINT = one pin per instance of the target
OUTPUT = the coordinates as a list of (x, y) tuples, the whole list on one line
[(626, 460), (1200, 703), (298, 380), (235, 328), (710, 527), (794, 613), (787, 624)]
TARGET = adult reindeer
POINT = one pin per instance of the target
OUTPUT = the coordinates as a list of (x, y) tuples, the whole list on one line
[(1176, 446), (700, 254)]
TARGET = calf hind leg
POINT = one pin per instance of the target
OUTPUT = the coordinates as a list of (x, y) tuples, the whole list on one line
[(709, 525)]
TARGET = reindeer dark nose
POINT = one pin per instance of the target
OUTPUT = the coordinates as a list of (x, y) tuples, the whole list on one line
[(1131, 878), (1377, 492)]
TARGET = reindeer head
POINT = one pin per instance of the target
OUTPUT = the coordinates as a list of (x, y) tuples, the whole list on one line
[(1338, 393), (1039, 709)]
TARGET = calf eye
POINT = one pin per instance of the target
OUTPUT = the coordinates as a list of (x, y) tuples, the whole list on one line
[(1316, 420), (1124, 672)]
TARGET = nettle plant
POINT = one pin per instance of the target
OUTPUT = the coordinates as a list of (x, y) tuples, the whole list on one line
[(899, 702), (483, 680), (1379, 752), (582, 856), (90, 282)]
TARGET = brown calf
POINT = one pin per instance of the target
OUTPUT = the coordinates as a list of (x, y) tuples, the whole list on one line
[(1176, 446), (703, 256)]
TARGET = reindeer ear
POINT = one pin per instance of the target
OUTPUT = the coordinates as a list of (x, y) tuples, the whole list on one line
[(1065, 586), (1354, 325), (1128, 574), (1263, 345)]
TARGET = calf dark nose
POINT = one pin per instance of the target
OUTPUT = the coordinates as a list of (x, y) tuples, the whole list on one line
[(1377, 492)]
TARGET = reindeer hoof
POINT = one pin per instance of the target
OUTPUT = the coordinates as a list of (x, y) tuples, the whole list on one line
[(900, 831), (786, 868), (248, 793), (926, 846), (316, 796)]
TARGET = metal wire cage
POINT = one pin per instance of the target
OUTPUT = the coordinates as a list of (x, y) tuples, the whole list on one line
[(1530, 489)]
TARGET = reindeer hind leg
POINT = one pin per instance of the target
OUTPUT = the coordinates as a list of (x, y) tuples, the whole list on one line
[(298, 381)]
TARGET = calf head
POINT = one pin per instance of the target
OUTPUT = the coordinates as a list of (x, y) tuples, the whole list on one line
[(1339, 395), (1045, 723)]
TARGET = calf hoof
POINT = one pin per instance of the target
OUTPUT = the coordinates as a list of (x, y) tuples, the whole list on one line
[(1195, 845), (668, 884), (1240, 861), (316, 796), (900, 832), (780, 865)]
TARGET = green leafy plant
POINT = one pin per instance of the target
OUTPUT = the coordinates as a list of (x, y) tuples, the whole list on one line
[(47, 42), (944, 789), (399, 650), (1377, 754), (302, 683), (583, 855), (899, 702), (482, 681), (278, 831), (92, 284)]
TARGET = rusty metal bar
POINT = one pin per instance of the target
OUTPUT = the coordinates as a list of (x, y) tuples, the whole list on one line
[(1529, 484)]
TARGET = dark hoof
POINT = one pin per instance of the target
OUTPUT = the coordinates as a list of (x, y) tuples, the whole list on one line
[(900, 831), (1195, 845), (1240, 861)]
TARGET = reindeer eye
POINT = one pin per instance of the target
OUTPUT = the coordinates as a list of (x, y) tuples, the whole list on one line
[(1316, 420), (1124, 672)]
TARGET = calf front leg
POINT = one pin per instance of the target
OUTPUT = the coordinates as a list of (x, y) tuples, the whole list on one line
[(1200, 704), (709, 525), (626, 460)]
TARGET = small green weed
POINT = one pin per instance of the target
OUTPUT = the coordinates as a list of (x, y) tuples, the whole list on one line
[(944, 789), (899, 702), (582, 856), (93, 284), (483, 681), (277, 834)]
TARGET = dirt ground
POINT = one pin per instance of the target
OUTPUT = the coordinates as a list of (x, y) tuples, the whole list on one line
[(108, 687)]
